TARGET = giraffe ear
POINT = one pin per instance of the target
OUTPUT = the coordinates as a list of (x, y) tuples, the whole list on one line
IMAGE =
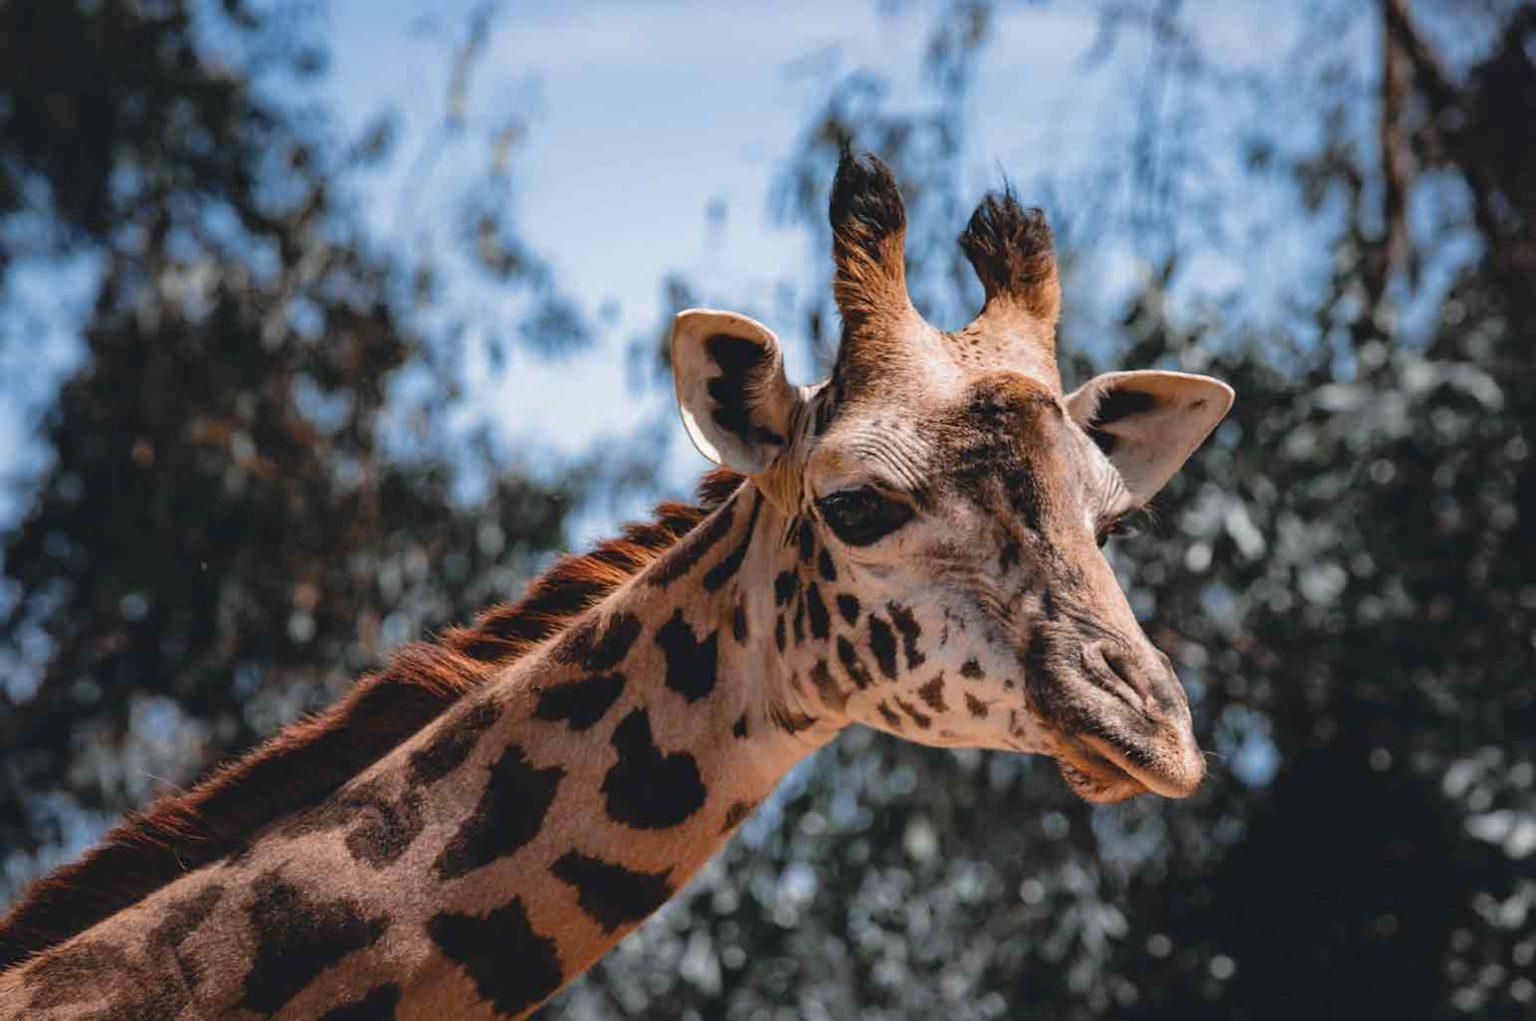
[(1148, 423), (735, 401)]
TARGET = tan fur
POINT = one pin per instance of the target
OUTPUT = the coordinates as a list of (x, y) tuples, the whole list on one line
[(914, 549), (310, 758), (405, 894)]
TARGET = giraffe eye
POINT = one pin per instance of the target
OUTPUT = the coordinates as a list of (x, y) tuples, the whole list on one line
[(862, 516), (1125, 525)]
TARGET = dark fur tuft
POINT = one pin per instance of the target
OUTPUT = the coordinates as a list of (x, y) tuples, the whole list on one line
[(1013, 252), (869, 226), (866, 207), (311, 758)]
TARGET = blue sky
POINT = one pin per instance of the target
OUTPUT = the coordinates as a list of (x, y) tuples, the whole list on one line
[(644, 113)]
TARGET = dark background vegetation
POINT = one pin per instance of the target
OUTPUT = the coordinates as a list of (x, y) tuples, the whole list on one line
[(248, 496)]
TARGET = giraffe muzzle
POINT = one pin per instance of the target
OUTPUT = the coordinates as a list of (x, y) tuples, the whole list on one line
[(1121, 722)]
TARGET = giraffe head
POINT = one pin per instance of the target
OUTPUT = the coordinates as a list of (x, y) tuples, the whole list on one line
[(949, 502)]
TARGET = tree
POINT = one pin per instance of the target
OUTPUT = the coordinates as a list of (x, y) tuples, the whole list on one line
[(1342, 576), (243, 506)]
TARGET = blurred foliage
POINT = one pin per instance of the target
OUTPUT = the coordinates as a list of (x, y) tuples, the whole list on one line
[(1345, 575), (251, 492)]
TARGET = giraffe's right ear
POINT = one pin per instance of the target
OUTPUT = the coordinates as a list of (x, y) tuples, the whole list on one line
[(735, 401)]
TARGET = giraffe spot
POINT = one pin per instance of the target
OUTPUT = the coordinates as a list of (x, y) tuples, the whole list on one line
[(971, 670), (512, 967), (882, 642), (692, 548), (889, 715), (455, 739), (83, 971), (848, 656), (807, 541), (646, 789), (726, 569), (510, 813), (597, 648), (910, 631), (580, 703), (933, 694), (73, 973), (378, 1004), (1047, 605), (785, 585), (1027, 499), (800, 620), (612, 895), (386, 829), (831, 695), (739, 624), (382, 827), (691, 664), (826, 567), (297, 938), (739, 728), (848, 607), (919, 717), (734, 815), (181, 918), (977, 707), (778, 633), (821, 621)]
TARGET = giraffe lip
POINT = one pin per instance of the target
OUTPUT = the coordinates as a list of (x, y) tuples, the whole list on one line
[(1093, 775), (1170, 783), (1112, 745)]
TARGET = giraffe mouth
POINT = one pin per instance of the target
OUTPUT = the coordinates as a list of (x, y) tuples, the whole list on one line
[(1119, 722), (1092, 775), (1105, 771)]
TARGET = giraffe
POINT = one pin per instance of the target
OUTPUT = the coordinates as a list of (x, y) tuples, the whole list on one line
[(911, 545)]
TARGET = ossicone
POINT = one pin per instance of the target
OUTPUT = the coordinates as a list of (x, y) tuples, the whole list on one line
[(1013, 252), (869, 227)]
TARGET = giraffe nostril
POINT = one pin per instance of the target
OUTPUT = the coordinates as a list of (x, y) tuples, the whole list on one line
[(1114, 669)]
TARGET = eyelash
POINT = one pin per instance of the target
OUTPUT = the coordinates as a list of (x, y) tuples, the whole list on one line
[(861, 517), (1131, 523)]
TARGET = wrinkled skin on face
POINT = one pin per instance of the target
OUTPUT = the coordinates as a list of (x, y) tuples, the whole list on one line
[(1001, 568), (962, 499)]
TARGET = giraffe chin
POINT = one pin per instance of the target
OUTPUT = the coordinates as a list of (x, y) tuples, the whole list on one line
[(1093, 777), (1099, 771)]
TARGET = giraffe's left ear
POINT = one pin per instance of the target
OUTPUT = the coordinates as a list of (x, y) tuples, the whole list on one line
[(735, 401), (1148, 423)]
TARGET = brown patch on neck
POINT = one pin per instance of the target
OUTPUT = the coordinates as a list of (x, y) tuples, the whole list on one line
[(312, 757)]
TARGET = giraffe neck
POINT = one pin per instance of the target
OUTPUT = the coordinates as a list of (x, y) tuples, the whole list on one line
[(507, 846)]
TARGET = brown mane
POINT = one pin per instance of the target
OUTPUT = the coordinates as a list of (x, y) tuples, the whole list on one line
[(310, 758)]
